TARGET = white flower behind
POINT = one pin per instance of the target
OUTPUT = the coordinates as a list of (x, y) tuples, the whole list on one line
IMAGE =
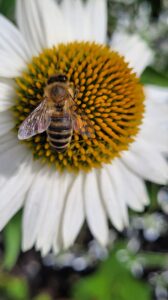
[(56, 206)]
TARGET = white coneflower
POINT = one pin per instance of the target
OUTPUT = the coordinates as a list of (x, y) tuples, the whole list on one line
[(94, 179)]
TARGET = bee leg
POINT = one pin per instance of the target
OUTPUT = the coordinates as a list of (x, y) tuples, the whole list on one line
[(75, 90)]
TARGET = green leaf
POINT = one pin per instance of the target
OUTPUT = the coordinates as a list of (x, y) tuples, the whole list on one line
[(12, 241), (43, 296), (154, 259), (151, 76), (152, 191), (7, 8), (17, 289), (13, 287)]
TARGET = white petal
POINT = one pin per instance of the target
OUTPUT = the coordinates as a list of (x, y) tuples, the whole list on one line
[(14, 191), (135, 194), (8, 81), (120, 186), (111, 202), (73, 217), (51, 217), (35, 201), (45, 222), (10, 65), (85, 21), (30, 24), (10, 160), (80, 20), (54, 24), (9, 175), (134, 49), (154, 134), (8, 141), (73, 15), (11, 40), (6, 122), (95, 212), (6, 96), (49, 235), (43, 211), (155, 124), (97, 12), (156, 112), (65, 181), (11, 209), (157, 93), (147, 162)]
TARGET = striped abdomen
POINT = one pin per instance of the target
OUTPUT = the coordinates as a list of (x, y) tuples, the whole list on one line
[(60, 132)]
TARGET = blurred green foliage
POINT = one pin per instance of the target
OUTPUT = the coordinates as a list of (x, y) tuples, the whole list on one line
[(7, 8), (113, 280), (151, 76), (152, 189), (14, 287), (12, 241), (43, 296)]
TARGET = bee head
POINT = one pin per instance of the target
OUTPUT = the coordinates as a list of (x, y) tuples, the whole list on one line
[(57, 78)]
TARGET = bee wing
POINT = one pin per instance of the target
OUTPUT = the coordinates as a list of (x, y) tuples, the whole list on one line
[(82, 125), (80, 122), (37, 122)]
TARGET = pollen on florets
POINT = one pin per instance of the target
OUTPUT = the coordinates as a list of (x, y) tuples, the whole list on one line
[(109, 95)]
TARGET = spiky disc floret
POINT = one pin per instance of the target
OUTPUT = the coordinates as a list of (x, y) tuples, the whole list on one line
[(110, 96)]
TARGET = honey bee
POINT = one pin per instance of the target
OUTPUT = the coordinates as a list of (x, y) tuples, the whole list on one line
[(55, 114)]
